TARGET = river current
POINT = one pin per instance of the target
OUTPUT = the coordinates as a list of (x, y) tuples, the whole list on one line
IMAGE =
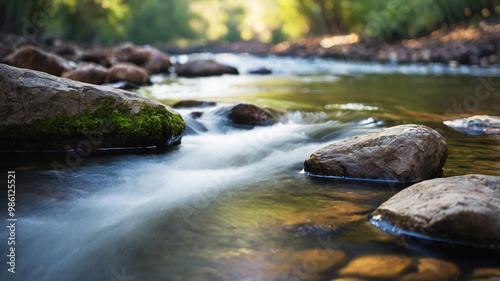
[(218, 206)]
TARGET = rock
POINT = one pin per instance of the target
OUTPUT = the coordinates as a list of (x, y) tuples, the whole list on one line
[(377, 267), (462, 209), (261, 71), (319, 261), (405, 153), (486, 272), (249, 114), (67, 50), (97, 55), (196, 114), (476, 125), (312, 230), (430, 269), (158, 62), (147, 57), (125, 71), (37, 59), (128, 52), (39, 111), (193, 103), (203, 68), (88, 73)]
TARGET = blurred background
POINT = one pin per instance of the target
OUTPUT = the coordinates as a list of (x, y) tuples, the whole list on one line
[(184, 22)]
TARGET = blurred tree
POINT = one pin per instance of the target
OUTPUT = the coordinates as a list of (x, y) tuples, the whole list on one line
[(178, 21), (89, 20), (160, 21), (27, 17)]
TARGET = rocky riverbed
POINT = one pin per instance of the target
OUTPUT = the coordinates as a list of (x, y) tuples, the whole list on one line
[(230, 202)]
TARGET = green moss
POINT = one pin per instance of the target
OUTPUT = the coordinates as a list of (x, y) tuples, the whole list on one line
[(116, 126)]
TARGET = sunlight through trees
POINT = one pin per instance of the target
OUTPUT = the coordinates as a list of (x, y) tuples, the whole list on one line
[(202, 21)]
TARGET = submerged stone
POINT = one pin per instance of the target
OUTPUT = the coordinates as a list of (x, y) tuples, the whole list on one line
[(487, 272), (405, 153), (462, 209), (430, 269), (39, 111), (319, 261), (249, 114), (380, 267), (312, 230), (476, 125)]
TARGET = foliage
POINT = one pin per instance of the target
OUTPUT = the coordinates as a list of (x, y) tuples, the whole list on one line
[(181, 21)]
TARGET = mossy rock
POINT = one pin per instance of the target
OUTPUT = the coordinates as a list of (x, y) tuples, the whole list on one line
[(43, 112)]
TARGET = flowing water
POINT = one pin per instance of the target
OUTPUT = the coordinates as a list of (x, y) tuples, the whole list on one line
[(217, 206)]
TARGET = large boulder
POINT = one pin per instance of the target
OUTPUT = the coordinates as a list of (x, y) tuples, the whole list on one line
[(476, 125), (125, 71), (147, 57), (249, 114), (464, 209), (88, 73), (39, 111), (37, 59), (198, 68), (405, 153)]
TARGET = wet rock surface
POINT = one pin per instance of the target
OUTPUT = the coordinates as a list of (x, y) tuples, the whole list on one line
[(379, 267), (193, 103), (127, 72), (476, 125), (249, 114), (405, 153), (463, 209), (39, 111), (147, 57), (487, 273), (319, 261), (430, 269), (261, 71), (34, 58), (200, 68), (88, 73)]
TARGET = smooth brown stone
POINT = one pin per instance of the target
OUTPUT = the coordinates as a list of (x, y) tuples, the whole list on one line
[(318, 261), (430, 269), (486, 272), (125, 71), (34, 58), (88, 73), (377, 267)]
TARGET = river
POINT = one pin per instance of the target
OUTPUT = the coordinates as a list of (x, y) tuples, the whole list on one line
[(216, 207)]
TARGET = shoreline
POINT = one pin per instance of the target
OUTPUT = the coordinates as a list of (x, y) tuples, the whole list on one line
[(476, 44), (467, 44)]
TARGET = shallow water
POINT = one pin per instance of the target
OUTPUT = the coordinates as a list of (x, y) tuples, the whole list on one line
[(215, 207)]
